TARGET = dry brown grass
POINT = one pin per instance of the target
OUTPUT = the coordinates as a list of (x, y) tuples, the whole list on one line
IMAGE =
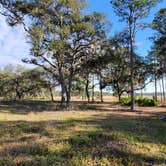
[(96, 134)]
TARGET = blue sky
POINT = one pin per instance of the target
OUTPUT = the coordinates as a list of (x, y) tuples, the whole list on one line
[(142, 39), (13, 46)]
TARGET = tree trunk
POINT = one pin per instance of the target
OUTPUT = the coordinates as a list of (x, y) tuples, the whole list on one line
[(155, 85), (63, 88), (68, 91), (68, 96), (101, 90), (161, 95), (131, 67), (163, 88), (18, 96), (87, 90), (101, 95), (62, 103), (51, 93), (93, 89), (118, 91), (68, 99), (119, 96)]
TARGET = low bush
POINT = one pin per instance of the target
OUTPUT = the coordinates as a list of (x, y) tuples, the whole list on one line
[(125, 101), (143, 102)]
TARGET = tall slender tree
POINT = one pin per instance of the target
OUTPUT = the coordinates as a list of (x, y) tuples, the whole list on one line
[(159, 46), (132, 11)]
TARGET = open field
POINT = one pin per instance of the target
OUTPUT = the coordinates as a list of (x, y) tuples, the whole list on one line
[(32, 133)]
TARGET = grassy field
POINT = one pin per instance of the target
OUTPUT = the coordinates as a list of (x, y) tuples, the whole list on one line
[(33, 133)]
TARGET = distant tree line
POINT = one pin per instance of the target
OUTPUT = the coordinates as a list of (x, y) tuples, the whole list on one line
[(17, 83)]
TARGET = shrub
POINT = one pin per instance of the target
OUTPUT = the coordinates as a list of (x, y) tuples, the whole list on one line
[(125, 101), (143, 102)]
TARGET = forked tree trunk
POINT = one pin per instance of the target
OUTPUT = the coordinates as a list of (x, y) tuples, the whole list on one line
[(51, 93)]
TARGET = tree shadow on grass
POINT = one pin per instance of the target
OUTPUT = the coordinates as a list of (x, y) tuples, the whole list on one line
[(112, 139), (26, 106)]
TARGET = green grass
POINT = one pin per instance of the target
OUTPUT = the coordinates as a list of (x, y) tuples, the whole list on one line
[(109, 137)]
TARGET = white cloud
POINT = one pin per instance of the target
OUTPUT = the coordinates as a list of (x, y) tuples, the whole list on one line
[(13, 45)]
